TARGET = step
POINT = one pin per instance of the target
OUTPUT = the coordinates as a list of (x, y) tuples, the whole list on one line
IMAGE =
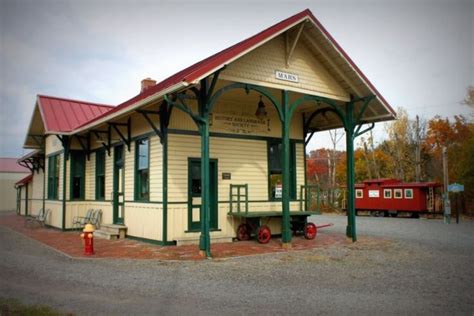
[(105, 235), (120, 230), (195, 240)]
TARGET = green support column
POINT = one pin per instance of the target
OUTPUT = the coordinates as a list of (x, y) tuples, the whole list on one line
[(205, 238), (349, 127), (286, 231)]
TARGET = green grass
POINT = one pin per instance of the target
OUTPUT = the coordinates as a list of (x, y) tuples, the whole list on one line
[(15, 307)]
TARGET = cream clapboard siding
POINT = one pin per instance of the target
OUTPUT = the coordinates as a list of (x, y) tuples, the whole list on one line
[(247, 162), (299, 167), (156, 170), (89, 193), (52, 145), (61, 177), (259, 67), (56, 213), (36, 193), (144, 220), (129, 172), (109, 167)]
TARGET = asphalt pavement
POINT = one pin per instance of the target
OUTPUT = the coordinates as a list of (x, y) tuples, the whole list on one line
[(398, 266)]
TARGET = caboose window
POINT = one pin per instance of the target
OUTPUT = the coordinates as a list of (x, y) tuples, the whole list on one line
[(408, 193), (397, 193), (359, 194), (387, 193)]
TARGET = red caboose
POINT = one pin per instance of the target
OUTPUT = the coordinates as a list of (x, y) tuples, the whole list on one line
[(392, 196)]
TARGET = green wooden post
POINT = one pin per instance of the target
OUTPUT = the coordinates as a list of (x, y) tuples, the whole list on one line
[(286, 231), (349, 127), (205, 239)]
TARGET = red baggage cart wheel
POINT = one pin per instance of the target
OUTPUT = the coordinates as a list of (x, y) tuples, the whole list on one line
[(310, 231), (243, 232), (264, 234)]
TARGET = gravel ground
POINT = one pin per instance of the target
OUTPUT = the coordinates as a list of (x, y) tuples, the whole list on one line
[(410, 267)]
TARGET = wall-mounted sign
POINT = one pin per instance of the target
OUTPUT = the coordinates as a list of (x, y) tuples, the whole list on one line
[(239, 123), (285, 76), (226, 176), (374, 193)]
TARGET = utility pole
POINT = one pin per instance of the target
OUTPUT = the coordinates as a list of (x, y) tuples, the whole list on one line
[(417, 151), (447, 205)]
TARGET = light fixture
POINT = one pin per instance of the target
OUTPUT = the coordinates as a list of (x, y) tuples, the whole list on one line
[(261, 113)]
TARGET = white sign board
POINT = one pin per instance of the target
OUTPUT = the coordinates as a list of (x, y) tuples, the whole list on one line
[(278, 191), (285, 76), (374, 193)]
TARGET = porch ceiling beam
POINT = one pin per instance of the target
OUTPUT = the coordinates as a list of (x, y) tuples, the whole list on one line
[(105, 145), (145, 114), (84, 142), (127, 139), (26, 165), (290, 50), (65, 141)]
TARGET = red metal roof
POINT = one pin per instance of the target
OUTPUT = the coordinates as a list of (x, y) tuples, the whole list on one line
[(212, 63), (65, 115), (11, 165), (395, 183), (24, 181), (412, 185)]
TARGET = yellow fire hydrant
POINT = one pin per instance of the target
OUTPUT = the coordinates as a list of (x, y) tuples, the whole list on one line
[(88, 236)]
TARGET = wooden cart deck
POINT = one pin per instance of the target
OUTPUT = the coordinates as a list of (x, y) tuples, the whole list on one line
[(271, 214)]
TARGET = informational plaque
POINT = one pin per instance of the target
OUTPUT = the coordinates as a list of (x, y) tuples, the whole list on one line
[(239, 123)]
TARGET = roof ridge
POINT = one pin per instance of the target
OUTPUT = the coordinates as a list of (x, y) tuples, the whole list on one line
[(77, 101)]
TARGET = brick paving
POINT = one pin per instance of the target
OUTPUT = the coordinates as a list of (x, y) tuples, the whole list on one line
[(71, 244)]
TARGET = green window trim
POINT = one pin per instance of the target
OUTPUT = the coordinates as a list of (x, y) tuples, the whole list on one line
[(142, 169), (53, 177), (77, 176), (100, 175), (275, 171)]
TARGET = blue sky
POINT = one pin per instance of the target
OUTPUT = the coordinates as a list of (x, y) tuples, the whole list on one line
[(419, 54)]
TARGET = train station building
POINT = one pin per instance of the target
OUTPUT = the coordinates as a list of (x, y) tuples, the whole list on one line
[(227, 133)]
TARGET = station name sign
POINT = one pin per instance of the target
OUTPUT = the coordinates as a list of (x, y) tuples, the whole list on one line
[(285, 76)]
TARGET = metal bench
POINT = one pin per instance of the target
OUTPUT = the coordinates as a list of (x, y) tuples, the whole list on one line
[(256, 223), (81, 221), (40, 218)]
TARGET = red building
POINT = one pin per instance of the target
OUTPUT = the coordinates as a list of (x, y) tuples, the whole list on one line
[(392, 196)]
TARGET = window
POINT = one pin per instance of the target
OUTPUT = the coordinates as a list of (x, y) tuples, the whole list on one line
[(78, 162), (408, 193), (100, 175), (397, 193), (359, 193), (53, 177), (387, 193), (142, 178), (275, 169)]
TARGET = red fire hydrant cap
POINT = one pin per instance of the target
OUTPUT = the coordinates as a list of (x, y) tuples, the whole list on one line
[(89, 228)]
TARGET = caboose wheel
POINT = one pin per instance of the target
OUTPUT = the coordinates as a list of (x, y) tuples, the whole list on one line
[(310, 231), (264, 234), (243, 232)]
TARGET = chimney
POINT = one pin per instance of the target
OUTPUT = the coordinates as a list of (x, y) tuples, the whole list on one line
[(146, 84)]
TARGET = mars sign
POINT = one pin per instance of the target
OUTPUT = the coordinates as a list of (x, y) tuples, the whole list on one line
[(285, 76)]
